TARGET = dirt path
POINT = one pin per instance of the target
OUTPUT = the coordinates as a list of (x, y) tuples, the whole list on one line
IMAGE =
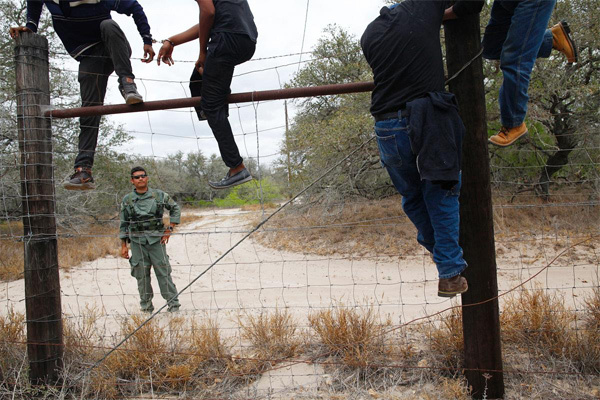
[(254, 279)]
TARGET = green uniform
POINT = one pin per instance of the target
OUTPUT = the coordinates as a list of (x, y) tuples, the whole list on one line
[(141, 223)]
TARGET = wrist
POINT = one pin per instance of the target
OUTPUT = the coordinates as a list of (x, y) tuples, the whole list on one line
[(169, 41)]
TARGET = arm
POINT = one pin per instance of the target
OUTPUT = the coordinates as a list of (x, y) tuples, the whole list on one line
[(34, 10), (132, 7), (166, 51), (124, 230), (207, 19), (174, 217)]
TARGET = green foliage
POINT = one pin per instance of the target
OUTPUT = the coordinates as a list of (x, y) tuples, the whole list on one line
[(328, 128), (563, 116)]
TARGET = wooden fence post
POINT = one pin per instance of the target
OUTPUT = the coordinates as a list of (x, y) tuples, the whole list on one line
[(481, 323), (42, 284)]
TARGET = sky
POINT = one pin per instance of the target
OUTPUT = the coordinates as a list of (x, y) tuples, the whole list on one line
[(280, 24)]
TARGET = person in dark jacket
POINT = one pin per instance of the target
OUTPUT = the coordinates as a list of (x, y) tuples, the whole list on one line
[(417, 125), (227, 36), (91, 37)]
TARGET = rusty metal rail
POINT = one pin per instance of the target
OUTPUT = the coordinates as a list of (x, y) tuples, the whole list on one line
[(279, 94)]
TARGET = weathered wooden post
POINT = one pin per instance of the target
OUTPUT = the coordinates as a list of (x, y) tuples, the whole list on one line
[(481, 322), (42, 285)]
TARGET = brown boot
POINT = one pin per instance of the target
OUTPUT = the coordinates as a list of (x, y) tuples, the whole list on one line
[(450, 287), (507, 136), (561, 41)]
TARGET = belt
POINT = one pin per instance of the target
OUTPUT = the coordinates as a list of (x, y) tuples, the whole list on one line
[(390, 115)]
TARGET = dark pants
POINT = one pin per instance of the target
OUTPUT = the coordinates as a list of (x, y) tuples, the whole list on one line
[(112, 54), (225, 51)]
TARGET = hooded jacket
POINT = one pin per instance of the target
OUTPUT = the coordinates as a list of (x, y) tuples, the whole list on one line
[(436, 133)]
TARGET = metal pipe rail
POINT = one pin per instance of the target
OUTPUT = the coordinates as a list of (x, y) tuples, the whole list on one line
[(246, 97)]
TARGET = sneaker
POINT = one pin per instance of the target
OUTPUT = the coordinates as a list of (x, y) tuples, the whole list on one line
[(81, 180), (507, 136), (173, 309), (232, 180), (561, 41), (450, 287), (129, 91)]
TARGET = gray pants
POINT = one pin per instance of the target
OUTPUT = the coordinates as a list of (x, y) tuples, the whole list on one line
[(143, 258), (111, 54)]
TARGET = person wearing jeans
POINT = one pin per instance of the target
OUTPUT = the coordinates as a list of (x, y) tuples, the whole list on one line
[(516, 35), (95, 40), (432, 207), (227, 36), (418, 130)]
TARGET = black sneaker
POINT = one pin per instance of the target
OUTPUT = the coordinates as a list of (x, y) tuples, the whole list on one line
[(129, 91), (81, 180), (232, 180)]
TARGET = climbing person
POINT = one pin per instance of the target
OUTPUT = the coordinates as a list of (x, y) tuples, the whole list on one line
[(142, 224), (93, 38), (516, 35), (227, 36), (417, 126)]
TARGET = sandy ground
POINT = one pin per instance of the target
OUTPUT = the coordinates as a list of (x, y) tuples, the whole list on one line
[(253, 278)]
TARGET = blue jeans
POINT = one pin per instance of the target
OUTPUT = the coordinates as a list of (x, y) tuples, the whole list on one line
[(433, 210), (517, 35)]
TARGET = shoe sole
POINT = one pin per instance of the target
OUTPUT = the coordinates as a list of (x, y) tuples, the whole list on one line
[(509, 143), (450, 294), (248, 179), (134, 100), (85, 186), (564, 27)]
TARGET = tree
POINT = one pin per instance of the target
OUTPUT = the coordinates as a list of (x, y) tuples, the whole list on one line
[(329, 127), (563, 116)]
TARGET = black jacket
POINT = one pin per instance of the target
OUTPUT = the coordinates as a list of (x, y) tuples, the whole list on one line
[(436, 132)]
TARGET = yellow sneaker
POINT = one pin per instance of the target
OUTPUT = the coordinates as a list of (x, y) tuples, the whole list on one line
[(507, 136), (561, 41)]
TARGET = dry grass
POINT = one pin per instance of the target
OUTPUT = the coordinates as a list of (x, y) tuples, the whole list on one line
[(271, 336), (590, 353), (94, 241), (352, 336), (380, 227), (444, 341), (537, 321), (88, 242), (375, 227), (12, 351)]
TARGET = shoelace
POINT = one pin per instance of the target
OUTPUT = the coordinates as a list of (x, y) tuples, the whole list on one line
[(503, 132)]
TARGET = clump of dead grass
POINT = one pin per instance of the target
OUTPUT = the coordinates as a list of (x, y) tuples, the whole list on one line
[(444, 341), (272, 336), (352, 336), (590, 341), (535, 320), (12, 347)]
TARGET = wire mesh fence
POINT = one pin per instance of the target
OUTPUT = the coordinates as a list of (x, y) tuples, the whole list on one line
[(327, 296)]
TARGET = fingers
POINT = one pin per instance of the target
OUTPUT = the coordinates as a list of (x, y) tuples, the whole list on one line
[(14, 31), (165, 54), (148, 54)]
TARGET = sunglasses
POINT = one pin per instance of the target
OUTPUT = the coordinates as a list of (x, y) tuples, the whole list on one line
[(139, 176)]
